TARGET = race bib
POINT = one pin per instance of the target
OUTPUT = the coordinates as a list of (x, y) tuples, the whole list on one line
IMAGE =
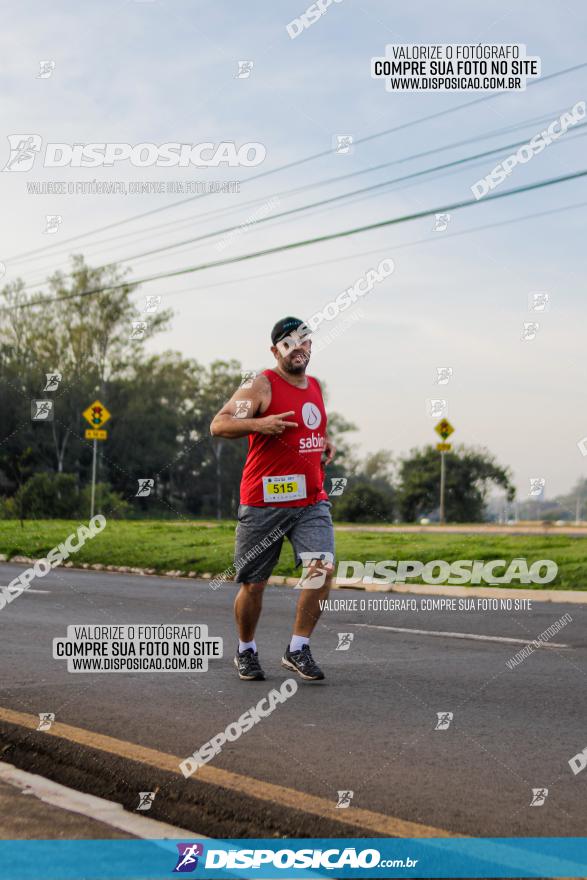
[(289, 488)]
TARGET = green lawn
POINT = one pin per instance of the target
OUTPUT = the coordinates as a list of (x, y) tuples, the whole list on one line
[(192, 546)]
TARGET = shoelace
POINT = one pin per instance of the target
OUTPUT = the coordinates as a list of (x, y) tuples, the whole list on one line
[(252, 661), (306, 658)]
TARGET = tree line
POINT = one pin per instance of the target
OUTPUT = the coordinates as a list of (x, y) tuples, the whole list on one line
[(93, 347)]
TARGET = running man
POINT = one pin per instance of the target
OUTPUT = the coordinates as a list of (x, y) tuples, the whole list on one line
[(281, 495)]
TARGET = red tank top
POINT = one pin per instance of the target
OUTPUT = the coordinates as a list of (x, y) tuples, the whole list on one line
[(286, 469)]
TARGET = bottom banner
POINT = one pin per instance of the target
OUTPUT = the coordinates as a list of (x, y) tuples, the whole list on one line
[(254, 859)]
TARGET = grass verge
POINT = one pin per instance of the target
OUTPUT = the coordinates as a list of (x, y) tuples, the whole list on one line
[(189, 545)]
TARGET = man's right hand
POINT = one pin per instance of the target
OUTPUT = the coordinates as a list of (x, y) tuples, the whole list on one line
[(274, 424)]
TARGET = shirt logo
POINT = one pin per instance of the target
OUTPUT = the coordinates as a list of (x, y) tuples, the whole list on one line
[(311, 416)]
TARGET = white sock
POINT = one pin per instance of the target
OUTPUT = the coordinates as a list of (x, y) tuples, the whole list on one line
[(242, 646), (298, 642)]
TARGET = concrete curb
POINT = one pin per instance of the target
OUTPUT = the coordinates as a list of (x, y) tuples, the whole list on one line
[(568, 596)]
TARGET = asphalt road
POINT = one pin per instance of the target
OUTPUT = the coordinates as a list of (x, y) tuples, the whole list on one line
[(369, 728)]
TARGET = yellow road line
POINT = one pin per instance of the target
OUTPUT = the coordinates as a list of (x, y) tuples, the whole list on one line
[(363, 820)]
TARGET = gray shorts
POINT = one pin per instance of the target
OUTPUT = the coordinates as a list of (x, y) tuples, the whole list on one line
[(260, 532)]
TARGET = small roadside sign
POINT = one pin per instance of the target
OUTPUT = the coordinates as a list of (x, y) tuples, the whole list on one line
[(444, 428), (96, 414)]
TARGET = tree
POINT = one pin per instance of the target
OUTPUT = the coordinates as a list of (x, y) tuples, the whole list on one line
[(363, 503), (219, 462), (152, 406), (369, 494), (87, 339), (469, 475), (48, 495)]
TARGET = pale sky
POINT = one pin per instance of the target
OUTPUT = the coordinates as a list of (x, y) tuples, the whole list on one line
[(164, 71)]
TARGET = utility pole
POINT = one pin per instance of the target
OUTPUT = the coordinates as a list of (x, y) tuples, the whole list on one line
[(442, 486), (95, 444), (444, 429)]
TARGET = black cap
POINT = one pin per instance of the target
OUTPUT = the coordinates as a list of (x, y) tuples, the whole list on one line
[(284, 327)]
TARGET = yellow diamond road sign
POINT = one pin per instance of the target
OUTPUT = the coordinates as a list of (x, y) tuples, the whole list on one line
[(444, 428), (96, 414)]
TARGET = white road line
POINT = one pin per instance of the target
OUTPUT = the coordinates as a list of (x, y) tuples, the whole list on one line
[(453, 635), (98, 809), (30, 590)]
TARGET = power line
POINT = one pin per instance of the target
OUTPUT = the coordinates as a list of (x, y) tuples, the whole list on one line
[(351, 203), (380, 250), (328, 201), (309, 241), (297, 162), (201, 218)]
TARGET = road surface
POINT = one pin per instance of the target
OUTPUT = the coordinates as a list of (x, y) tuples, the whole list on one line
[(368, 729)]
